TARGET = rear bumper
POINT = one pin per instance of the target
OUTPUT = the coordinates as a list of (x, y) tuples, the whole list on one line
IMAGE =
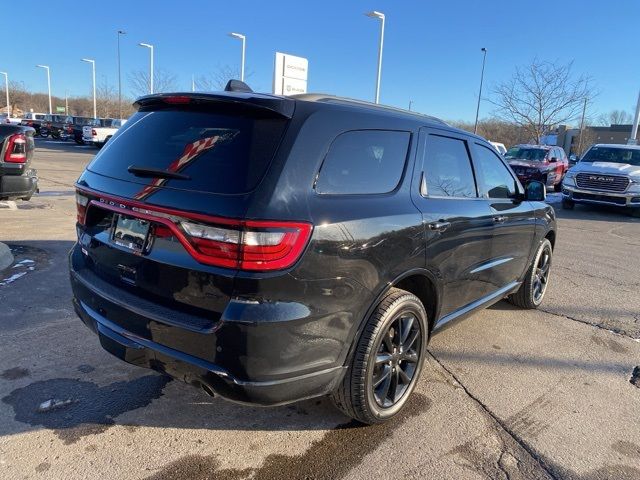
[(199, 373), (267, 353), (19, 186), (594, 197)]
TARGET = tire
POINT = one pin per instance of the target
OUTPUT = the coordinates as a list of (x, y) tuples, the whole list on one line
[(568, 204), (527, 295), (558, 186), (357, 396), (635, 212)]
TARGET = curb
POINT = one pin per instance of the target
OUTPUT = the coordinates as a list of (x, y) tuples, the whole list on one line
[(6, 257)]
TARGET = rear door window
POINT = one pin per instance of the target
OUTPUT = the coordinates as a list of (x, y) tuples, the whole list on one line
[(364, 162), (218, 152), (447, 168)]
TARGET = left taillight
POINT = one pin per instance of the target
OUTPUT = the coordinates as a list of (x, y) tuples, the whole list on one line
[(81, 206), (16, 151)]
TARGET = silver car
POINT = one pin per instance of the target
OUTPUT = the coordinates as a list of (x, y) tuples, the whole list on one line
[(607, 174)]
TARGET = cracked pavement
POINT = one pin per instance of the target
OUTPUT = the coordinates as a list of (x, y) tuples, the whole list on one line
[(505, 394)]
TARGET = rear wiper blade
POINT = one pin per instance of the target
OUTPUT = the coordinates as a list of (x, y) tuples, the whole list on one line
[(156, 173)]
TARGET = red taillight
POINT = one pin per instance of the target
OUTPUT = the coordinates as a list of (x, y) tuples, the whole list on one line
[(16, 151), (176, 100), (81, 206), (93, 132), (254, 245)]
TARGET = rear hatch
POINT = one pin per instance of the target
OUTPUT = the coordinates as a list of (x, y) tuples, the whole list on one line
[(160, 208)]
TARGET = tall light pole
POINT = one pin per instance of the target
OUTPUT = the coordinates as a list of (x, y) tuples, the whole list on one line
[(120, 32), (6, 86), (380, 16), (93, 71), (484, 58), (46, 67), (150, 47), (634, 131), (244, 40)]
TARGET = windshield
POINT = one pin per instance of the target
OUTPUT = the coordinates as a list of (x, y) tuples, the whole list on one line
[(520, 153), (613, 155)]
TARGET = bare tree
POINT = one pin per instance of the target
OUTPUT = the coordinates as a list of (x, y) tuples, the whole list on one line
[(163, 81), (541, 96), (497, 130), (615, 117), (218, 79)]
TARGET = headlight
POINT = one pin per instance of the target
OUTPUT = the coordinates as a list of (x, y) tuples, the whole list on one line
[(635, 186), (570, 174), (569, 180)]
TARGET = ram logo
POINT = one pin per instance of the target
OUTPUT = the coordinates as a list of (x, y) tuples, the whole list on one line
[(600, 179)]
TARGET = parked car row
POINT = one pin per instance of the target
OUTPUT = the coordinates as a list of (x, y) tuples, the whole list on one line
[(69, 127)]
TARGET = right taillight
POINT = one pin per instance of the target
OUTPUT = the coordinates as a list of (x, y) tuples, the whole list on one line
[(16, 151), (93, 132), (249, 245)]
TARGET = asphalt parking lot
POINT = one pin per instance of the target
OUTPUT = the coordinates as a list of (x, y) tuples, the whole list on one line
[(506, 394)]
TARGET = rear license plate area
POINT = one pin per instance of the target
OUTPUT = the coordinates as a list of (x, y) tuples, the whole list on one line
[(129, 232)]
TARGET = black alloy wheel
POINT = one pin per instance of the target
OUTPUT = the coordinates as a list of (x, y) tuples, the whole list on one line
[(536, 280), (541, 275), (397, 360), (387, 360)]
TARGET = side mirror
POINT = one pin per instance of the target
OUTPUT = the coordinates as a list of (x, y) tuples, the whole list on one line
[(535, 191), (553, 159)]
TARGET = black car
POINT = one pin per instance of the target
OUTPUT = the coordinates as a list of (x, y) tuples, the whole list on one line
[(33, 120), (72, 128), (17, 179), (53, 126), (270, 249)]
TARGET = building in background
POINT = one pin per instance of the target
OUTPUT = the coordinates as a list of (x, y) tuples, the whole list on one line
[(569, 138)]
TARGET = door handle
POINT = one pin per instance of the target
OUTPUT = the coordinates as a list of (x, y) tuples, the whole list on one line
[(439, 226), (500, 219)]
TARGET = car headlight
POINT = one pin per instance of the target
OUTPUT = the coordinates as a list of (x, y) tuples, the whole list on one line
[(634, 187)]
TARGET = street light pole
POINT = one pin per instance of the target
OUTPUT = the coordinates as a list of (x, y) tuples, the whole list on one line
[(484, 58), (120, 32), (634, 131), (150, 47), (6, 86), (46, 67), (93, 70), (380, 16), (244, 40)]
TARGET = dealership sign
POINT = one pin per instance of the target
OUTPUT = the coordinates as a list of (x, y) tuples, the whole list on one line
[(290, 74)]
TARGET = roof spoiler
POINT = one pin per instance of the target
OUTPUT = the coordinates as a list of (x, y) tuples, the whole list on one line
[(281, 106)]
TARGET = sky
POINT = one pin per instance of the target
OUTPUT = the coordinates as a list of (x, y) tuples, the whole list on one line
[(431, 57)]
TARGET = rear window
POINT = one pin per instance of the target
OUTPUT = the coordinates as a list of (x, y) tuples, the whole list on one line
[(364, 162), (220, 153)]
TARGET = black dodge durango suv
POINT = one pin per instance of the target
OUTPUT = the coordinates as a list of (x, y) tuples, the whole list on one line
[(269, 249)]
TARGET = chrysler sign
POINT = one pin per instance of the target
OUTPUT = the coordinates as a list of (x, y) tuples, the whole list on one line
[(290, 74)]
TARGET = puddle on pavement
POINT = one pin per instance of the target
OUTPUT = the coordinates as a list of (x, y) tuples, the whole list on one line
[(15, 373), (329, 458), (84, 407)]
